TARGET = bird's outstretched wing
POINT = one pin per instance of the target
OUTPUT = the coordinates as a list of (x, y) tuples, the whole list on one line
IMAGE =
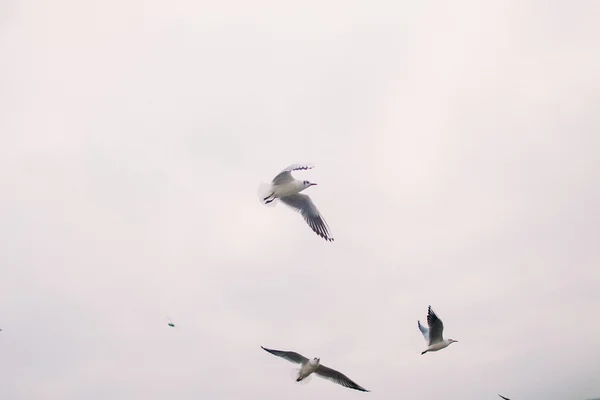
[(304, 205), (424, 331), (288, 355), (505, 398), (338, 377), (436, 327), (286, 175)]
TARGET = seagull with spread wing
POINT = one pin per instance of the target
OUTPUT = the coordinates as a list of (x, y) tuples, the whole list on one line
[(433, 334), (307, 367), (287, 189)]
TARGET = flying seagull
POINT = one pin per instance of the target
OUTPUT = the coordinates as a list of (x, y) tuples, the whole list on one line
[(433, 334), (505, 398), (314, 365), (287, 189)]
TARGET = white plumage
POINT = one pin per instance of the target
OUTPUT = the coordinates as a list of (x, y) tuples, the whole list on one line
[(286, 188), (433, 335)]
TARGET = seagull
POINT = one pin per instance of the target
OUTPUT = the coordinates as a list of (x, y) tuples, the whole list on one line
[(433, 334), (314, 365), (287, 189), (505, 398)]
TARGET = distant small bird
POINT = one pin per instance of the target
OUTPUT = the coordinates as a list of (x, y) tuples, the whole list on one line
[(505, 398), (171, 324), (287, 189), (314, 365), (433, 334)]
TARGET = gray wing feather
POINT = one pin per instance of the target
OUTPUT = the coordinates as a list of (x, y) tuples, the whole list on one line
[(304, 205), (338, 377), (288, 355), (436, 327), (424, 331), (286, 175)]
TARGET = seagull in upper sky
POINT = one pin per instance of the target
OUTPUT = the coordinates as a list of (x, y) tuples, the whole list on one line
[(309, 366), (505, 398), (433, 334), (287, 189)]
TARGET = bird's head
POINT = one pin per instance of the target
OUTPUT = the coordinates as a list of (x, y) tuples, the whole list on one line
[(315, 361), (307, 184)]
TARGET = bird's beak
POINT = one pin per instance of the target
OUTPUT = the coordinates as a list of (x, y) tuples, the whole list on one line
[(313, 184)]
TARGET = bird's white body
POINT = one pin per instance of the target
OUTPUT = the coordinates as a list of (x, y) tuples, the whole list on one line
[(307, 368), (438, 346), (288, 188)]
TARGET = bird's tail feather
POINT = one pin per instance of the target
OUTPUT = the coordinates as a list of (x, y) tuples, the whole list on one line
[(295, 372), (264, 191)]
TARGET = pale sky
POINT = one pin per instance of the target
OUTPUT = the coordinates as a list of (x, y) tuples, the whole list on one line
[(456, 147)]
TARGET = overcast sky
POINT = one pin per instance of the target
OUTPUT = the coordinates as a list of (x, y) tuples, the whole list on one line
[(456, 147)]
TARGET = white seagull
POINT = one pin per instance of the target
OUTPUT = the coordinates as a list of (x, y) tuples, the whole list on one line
[(433, 334), (314, 365), (287, 189)]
